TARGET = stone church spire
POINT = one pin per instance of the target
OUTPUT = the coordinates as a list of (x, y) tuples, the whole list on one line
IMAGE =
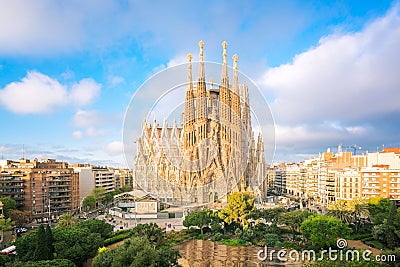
[(189, 99), (224, 98), (201, 79), (224, 75), (201, 99), (235, 85)]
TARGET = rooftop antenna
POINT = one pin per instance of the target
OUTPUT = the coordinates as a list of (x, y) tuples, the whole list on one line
[(23, 151)]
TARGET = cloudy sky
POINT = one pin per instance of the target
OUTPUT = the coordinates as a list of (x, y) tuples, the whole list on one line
[(68, 69)]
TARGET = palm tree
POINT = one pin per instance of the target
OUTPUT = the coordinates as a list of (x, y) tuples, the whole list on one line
[(340, 209), (359, 211), (66, 220)]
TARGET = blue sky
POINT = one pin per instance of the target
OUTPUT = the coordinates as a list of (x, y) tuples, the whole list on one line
[(68, 69)]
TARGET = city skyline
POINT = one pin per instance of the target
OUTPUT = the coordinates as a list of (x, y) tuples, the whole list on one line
[(68, 71)]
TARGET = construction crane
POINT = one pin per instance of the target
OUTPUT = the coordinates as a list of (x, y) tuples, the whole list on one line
[(346, 148), (350, 147)]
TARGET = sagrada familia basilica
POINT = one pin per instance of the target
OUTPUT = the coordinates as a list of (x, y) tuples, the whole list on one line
[(212, 152)]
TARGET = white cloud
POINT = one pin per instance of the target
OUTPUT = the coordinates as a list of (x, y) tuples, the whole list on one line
[(84, 92), (115, 80), (115, 148), (37, 93), (177, 60), (93, 132), (77, 134), (89, 118), (96, 123), (343, 90), (346, 77), (43, 26)]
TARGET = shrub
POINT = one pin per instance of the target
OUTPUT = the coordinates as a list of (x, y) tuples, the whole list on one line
[(200, 236), (238, 232), (234, 242), (115, 239), (217, 237), (216, 227), (271, 240), (359, 236), (248, 234)]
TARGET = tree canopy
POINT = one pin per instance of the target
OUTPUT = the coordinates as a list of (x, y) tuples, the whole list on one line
[(8, 204), (89, 201), (293, 219), (67, 220), (19, 217), (324, 230), (76, 243), (240, 206), (379, 209), (137, 252), (198, 218), (43, 249)]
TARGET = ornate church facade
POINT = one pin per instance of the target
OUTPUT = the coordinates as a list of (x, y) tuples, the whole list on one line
[(213, 151)]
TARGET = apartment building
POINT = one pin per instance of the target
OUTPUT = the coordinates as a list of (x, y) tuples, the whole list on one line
[(104, 177), (86, 179), (12, 185), (348, 184), (381, 181), (329, 177), (49, 188), (123, 177)]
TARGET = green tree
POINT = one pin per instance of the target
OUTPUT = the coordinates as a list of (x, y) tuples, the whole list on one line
[(126, 188), (359, 211), (104, 258), (324, 230), (269, 215), (272, 240), (25, 246), (45, 263), (389, 231), (67, 220), (341, 210), (99, 194), (150, 231), (49, 240), (97, 226), (293, 220), (76, 244), (19, 217), (137, 252), (198, 218), (89, 201), (8, 204), (240, 206), (42, 250), (6, 224), (379, 209)]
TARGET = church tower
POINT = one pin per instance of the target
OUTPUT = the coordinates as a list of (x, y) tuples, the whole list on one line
[(213, 153), (189, 112), (225, 110), (201, 99)]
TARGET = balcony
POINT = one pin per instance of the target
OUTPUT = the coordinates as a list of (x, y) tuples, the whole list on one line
[(370, 192), (59, 185)]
